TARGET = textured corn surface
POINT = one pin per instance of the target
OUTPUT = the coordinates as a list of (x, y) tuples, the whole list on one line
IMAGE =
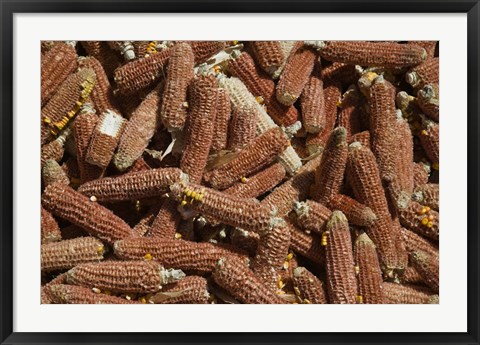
[(49, 227), (369, 276), (309, 286)]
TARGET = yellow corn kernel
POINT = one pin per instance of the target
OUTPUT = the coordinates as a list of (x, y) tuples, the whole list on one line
[(47, 120), (259, 99), (425, 221), (429, 224), (96, 290), (357, 269), (360, 299), (244, 179), (427, 209), (431, 217), (296, 290), (307, 301), (183, 203), (435, 166), (178, 235), (290, 256), (148, 256), (286, 265), (423, 210), (424, 132)]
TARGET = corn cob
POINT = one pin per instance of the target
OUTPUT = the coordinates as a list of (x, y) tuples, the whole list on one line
[(351, 109), (420, 219), (385, 54), (69, 253), (83, 128), (132, 186), (329, 175), (222, 119), (102, 93), (414, 242), (428, 194), (428, 268), (190, 290), (272, 248), (250, 160), (49, 227), (54, 149), (295, 75), (247, 214), (407, 294), (123, 276), (311, 215), (313, 105), (423, 74), (52, 172), (268, 54), (369, 276), (144, 223), (179, 75), (421, 173), (105, 139), (341, 282), (66, 102), (404, 157), (70, 167), (66, 203), (71, 294), (411, 276), (287, 47), (45, 46), (428, 101), (258, 184), (140, 74), (199, 130), (429, 46), (306, 245), (103, 53), (245, 240), (202, 50), (308, 287), (235, 277), (166, 222), (402, 252), (295, 189), (356, 213), (362, 137), (139, 130), (124, 47), (57, 64), (46, 297), (179, 254), (139, 165), (339, 72)]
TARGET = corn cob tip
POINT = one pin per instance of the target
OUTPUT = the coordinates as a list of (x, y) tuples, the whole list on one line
[(403, 199), (339, 136), (419, 256), (428, 92), (335, 218), (300, 208), (363, 238), (433, 299), (379, 80), (87, 108), (412, 78), (318, 45), (168, 276), (298, 271), (291, 130), (355, 146)]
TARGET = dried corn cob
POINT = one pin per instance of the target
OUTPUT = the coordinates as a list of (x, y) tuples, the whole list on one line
[(45, 46), (123, 276), (46, 297), (311, 215), (190, 290), (421, 173), (245, 240), (66, 102), (66, 203), (260, 183), (429, 46), (420, 219), (339, 72), (385, 54), (235, 277), (268, 54), (179, 75), (222, 118), (369, 276), (287, 47), (247, 214), (57, 64), (50, 230), (54, 149), (356, 213), (423, 74), (308, 246), (52, 172), (103, 53), (362, 137), (411, 276), (144, 224), (179, 254), (295, 75), (272, 248), (105, 139), (428, 101), (351, 111), (329, 175), (202, 50), (132, 186), (139, 130), (124, 47), (428, 194), (70, 167), (166, 222), (71, 294), (428, 268), (250, 160), (309, 287), (313, 105), (69, 253), (341, 282), (407, 294), (414, 242), (404, 157)]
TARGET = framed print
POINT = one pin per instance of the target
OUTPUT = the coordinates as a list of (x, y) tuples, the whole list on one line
[(239, 173)]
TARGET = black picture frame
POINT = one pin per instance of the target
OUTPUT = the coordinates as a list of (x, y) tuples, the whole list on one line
[(9, 8)]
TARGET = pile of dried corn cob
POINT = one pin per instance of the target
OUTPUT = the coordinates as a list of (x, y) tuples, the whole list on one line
[(240, 172)]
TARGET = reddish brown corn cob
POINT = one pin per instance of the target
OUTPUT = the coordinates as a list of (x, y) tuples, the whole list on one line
[(369, 276), (411, 276), (71, 294), (46, 297), (247, 214), (140, 74), (295, 189), (421, 173), (428, 194), (341, 281), (235, 277), (66, 102), (313, 105), (245, 240), (66, 203), (190, 290), (54, 149), (329, 175), (69, 253), (268, 54), (362, 137), (273, 247), (202, 50), (308, 287), (308, 246), (260, 183), (429, 138), (83, 128), (166, 221), (339, 72), (250, 160), (429, 46), (179, 74), (404, 157), (132, 186), (287, 47), (144, 224), (70, 167), (222, 119), (295, 74), (423, 74), (242, 128), (414, 242), (138, 131), (428, 101), (428, 268), (351, 111), (356, 213), (50, 230), (103, 53), (139, 165), (420, 219), (52, 172), (102, 93), (105, 138), (57, 64), (200, 129), (46, 46), (123, 276), (311, 215), (179, 254), (407, 294), (385, 54)]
